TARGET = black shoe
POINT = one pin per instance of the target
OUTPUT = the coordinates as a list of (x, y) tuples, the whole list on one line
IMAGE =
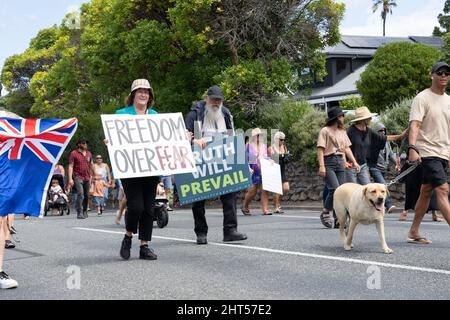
[(85, 214), (80, 216), (9, 244), (233, 235), (13, 230), (126, 247), (201, 239), (147, 253)]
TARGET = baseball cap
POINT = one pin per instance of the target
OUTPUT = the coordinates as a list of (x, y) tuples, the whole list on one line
[(439, 65), (215, 93)]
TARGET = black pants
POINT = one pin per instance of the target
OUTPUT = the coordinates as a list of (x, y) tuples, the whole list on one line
[(229, 214), (82, 187), (140, 193)]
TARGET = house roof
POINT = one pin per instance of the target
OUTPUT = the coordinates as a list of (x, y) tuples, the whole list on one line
[(344, 87), (365, 46)]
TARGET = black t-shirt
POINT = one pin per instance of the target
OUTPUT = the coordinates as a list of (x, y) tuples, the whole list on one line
[(365, 143)]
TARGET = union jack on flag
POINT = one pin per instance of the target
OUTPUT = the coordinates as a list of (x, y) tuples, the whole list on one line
[(29, 149)]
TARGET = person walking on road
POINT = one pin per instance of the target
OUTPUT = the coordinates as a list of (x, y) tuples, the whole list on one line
[(333, 145), (256, 150), (80, 174), (429, 143), (378, 162), (140, 192), (364, 141), (280, 154), (208, 118)]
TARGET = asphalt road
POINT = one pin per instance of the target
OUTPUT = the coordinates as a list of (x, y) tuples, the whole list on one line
[(288, 256)]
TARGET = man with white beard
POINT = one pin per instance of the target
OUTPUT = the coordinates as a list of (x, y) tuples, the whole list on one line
[(206, 119)]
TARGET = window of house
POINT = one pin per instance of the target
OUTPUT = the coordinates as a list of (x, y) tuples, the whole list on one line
[(341, 65)]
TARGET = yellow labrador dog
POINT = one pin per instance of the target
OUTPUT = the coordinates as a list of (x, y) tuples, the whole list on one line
[(364, 204)]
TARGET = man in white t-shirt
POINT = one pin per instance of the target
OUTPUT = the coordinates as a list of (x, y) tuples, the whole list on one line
[(429, 138)]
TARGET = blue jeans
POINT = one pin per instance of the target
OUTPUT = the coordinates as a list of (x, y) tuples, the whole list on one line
[(334, 177), (362, 177), (378, 177)]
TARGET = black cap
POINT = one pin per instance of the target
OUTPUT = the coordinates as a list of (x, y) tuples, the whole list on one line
[(215, 93), (81, 141), (333, 113), (439, 65)]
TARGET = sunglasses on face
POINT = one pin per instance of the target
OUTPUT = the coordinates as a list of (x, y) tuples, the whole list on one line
[(99, 158), (443, 73), (281, 139)]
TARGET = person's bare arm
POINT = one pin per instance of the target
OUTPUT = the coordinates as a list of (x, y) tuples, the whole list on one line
[(321, 159), (414, 128), (349, 154), (70, 177), (108, 172), (394, 137)]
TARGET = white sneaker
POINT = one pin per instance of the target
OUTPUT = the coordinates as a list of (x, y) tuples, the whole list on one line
[(6, 282), (391, 209)]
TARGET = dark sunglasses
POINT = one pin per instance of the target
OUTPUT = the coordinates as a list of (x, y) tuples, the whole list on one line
[(281, 139), (98, 158), (443, 73)]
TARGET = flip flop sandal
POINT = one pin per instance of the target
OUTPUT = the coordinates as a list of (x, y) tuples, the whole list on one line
[(267, 214), (246, 212), (437, 219), (419, 240), (325, 218)]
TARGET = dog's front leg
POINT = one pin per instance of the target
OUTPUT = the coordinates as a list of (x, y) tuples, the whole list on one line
[(351, 228), (380, 229)]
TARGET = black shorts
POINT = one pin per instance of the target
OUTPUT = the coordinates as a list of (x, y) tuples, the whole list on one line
[(434, 171)]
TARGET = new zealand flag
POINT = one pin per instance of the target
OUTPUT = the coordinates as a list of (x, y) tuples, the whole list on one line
[(29, 149)]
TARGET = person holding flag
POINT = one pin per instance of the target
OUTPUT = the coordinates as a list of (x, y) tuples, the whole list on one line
[(29, 149)]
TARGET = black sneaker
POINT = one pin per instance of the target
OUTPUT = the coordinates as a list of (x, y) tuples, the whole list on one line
[(9, 244), (233, 235), (6, 282), (13, 230), (147, 253), (126, 247), (85, 214), (80, 216), (201, 239)]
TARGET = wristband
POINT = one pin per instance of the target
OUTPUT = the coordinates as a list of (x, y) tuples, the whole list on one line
[(411, 146)]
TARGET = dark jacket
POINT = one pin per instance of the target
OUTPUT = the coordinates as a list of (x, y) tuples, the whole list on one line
[(197, 113)]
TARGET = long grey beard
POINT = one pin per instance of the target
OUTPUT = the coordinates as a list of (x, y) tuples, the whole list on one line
[(213, 115)]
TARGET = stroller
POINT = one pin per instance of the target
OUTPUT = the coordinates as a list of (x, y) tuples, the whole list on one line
[(61, 204), (161, 215)]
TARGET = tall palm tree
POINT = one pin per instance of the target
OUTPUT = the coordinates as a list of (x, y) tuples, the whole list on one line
[(386, 7)]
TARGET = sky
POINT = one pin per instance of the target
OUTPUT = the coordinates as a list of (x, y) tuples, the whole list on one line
[(20, 20)]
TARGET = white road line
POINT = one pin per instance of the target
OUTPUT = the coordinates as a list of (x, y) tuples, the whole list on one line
[(385, 220), (295, 253)]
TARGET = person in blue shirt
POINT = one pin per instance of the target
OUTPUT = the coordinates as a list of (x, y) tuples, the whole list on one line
[(140, 192)]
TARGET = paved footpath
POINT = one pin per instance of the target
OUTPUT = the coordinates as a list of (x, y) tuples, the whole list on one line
[(288, 256)]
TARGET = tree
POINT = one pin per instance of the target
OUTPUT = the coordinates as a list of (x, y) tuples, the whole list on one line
[(386, 7), (256, 50), (398, 70), (444, 21)]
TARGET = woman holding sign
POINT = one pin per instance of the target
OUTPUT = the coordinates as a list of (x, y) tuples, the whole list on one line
[(140, 192), (280, 154)]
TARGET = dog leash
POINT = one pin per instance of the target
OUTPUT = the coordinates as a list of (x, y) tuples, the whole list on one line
[(413, 167)]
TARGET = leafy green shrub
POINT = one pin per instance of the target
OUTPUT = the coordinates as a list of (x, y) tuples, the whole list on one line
[(305, 133), (398, 70), (351, 103), (396, 117)]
